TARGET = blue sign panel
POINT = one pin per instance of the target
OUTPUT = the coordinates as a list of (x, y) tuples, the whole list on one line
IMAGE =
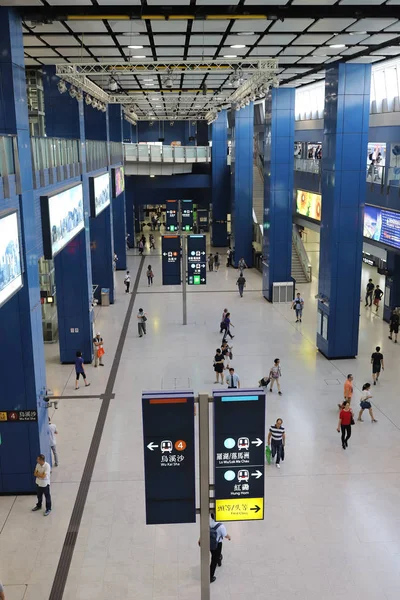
[(171, 259), (196, 259), (169, 456), (239, 446), (171, 215), (187, 215)]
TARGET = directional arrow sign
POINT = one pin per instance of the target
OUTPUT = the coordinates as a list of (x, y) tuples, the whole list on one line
[(152, 446), (257, 442), (257, 474), (256, 508)]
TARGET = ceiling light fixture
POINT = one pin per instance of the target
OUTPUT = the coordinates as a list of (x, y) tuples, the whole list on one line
[(337, 46), (245, 33), (138, 56), (88, 100), (230, 55), (72, 91), (238, 46), (135, 47), (79, 95)]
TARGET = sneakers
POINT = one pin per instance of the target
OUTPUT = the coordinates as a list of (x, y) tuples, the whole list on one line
[(46, 513), (36, 508), (278, 466), (280, 393), (374, 382), (213, 579)]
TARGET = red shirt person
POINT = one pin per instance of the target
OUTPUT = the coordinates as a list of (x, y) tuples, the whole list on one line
[(344, 425)]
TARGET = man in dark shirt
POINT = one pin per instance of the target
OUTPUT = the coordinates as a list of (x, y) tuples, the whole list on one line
[(377, 296), (369, 290), (241, 282), (377, 364)]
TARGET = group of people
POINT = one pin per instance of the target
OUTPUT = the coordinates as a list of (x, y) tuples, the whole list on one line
[(214, 262), (143, 241), (373, 294)]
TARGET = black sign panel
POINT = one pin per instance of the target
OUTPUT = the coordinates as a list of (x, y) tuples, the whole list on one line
[(171, 215), (187, 215), (169, 458), (15, 416), (171, 259), (239, 444), (196, 259)]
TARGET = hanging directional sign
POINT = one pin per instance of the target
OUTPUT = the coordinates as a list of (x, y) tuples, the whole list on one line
[(187, 215), (169, 457), (171, 259), (171, 215), (239, 445), (196, 259)]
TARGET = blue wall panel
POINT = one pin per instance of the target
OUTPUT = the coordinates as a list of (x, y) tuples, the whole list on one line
[(61, 111), (101, 244), (220, 180)]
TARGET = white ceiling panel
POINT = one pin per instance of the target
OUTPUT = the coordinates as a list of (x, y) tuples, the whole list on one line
[(101, 51), (299, 50), (248, 40), (380, 38), (43, 52), (31, 62), (87, 26), (166, 51), (389, 51), (18, 3), (166, 40), (51, 61), (55, 27), (31, 40), (365, 59), (313, 39), (70, 3), (200, 40), (349, 40), (333, 25), (220, 2), (312, 60), (128, 40), (290, 25), (357, 2), (250, 25), (200, 50), (265, 2), (278, 39), (76, 52), (295, 70), (395, 27), (311, 2), (169, 26), (233, 51), (209, 26), (171, 2), (97, 40), (265, 51), (287, 60), (134, 26), (353, 50), (327, 51), (120, 2), (372, 24), (60, 40)]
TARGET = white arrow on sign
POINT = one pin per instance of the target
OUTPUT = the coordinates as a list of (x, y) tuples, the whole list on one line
[(152, 446), (164, 254), (257, 442), (257, 474)]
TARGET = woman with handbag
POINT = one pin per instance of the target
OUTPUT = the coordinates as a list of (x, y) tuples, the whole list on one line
[(346, 420), (219, 366), (365, 403), (142, 318), (275, 375)]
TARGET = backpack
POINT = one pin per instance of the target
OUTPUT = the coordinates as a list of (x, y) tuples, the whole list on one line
[(213, 536)]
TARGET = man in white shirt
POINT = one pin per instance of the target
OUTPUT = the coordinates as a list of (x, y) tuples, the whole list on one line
[(53, 444), (42, 474), (216, 554), (232, 379)]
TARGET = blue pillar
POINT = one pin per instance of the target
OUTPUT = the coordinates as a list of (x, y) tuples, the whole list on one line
[(220, 180), (127, 131), (278, 188), (64, 117), (22, 364), (130, 208), (116, 120), (391, 299), (347, 89), (242, 184)]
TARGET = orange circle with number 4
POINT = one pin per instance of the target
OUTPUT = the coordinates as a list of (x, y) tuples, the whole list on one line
[(180, 445)]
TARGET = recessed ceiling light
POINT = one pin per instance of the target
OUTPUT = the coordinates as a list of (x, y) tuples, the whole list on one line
[(154, 98), (148, 79), (158, 106), (135, 47), (139, 56), (245, 33), (337, 46), (238, 46), (152, 175), (230, 56), (357, 32), (149, 84)]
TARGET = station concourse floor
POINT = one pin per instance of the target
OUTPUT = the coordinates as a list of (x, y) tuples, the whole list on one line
[(332, 523)]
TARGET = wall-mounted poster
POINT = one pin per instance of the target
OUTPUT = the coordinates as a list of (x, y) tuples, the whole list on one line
[(309, 204), (99, 193), (118, 181), (10, 256), (62, 219)]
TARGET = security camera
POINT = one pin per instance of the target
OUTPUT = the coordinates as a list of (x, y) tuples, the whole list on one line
[(168, 83)]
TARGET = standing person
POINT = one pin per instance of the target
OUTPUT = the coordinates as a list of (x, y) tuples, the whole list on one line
[(277, 439), (53, 444), (394, 325), (141, 247), (226, 351), (227, 329), (344, 425), (216, 261), (2, 593), (275, 375), (150, 275), (142, 318), (232, 379), (369, 292), (115, 261), (297, 305), (222, 324), (127, 282), (219, 366), (242, 265), (210, 262), (365, 403), (217, 534), (347, 390), (377, 297), (98, 350), (229, 258), (241, 283), (42, 474), (377, 364), (79, 370)]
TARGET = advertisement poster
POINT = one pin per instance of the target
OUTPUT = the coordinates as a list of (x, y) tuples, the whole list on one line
[(309, 204), (382, 225), (376, 160), (65, 216), (10, 257), (101, 187), (118, 181)]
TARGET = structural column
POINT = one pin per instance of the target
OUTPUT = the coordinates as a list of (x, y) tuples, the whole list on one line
[(220, 181), (278, 188), (242, 184), (391, 298), (347, 89), (115, 122)]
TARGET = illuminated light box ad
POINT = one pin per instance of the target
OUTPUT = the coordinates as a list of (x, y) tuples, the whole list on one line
[(99, 194), (309, 204), (118, 181), (382, 225), (10, 256), (62, 219)]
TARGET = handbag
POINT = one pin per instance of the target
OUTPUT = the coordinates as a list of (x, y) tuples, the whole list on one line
[(268, 454), (352, 422), (100, 352), (144, 319)]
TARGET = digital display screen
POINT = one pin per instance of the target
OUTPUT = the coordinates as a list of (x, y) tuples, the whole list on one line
[(187, 215), (171, 215), (382, 225), (10, 256), (99, 194), (62, 219), (309, 204), (118, 180)]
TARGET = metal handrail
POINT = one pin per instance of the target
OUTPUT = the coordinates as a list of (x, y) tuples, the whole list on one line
[(167, 154), (302, 254), (308, 165)]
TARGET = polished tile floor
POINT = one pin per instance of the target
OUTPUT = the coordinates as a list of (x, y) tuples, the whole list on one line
[(332, 524)]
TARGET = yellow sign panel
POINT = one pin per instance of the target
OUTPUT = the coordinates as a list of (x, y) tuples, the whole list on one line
[(239, 509), (3, 416)]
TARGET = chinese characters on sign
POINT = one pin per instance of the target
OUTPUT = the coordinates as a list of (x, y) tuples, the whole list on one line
[(171, 259), (196, 259), (14, 416)]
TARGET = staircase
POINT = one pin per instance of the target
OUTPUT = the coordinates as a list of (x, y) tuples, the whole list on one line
[(297, 268), (258, 195)]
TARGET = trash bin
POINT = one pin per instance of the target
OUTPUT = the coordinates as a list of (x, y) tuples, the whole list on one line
[(105, 296)]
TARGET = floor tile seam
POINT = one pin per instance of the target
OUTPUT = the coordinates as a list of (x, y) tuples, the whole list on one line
[(8, 515)]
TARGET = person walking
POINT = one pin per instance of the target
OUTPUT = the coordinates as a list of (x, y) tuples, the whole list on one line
[(42, 474), (365, 403), (347, 391), (150, 275), (222, 324), (377, 297), (2, 592), (346, 420), (79, 370), (229, 258), (216, 261), (275, 375), (394, 325), (232, 379), (142, 318), (152, 242), (217, 535), (369, 292), (98, 350), (127, 282), (227, 328), (276, 440), (377, 364), (219, 366), (210, 262), (226, 351), (242, 265), (297, 305), (141, 247), (241, 283), (53, 444)]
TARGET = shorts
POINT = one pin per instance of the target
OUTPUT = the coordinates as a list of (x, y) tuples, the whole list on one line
[(365, 404), (376, 368), (394, 329), (78, 374), (219, 367)]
